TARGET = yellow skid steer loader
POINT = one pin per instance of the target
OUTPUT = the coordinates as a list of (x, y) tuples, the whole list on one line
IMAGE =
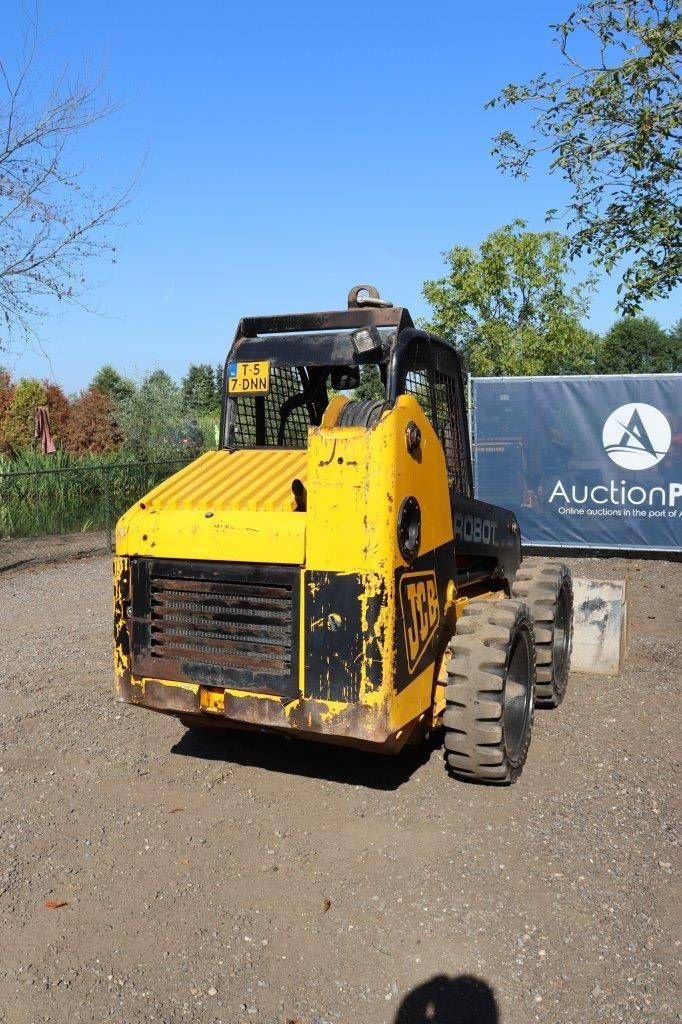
[(327, 571)]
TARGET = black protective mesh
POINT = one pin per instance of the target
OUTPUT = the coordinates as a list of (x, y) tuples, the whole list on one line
[(419, 379), (452, 430), (441, 398), (260, 420)]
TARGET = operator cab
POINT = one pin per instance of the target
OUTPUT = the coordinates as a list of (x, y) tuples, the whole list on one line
[(283, 371)]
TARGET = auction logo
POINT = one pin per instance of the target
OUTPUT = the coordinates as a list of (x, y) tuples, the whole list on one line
[(636, 436)]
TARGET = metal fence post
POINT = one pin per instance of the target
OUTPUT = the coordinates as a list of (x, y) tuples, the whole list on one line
[(106, 506), (471, 432)]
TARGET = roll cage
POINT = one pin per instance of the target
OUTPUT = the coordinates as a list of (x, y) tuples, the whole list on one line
[(303, 349)]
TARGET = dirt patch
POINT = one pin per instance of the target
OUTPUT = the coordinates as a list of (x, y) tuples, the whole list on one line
[(251, 878)]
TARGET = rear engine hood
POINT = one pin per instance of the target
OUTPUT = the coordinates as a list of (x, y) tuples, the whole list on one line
[(226, 506)]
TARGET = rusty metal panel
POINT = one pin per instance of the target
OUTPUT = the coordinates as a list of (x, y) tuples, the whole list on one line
[(216, 624), (342, 646)]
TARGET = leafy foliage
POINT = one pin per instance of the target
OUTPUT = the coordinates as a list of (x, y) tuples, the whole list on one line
[(19, 424), (146, 422), (6, 393), (151, 419), (640, 345), (210, 430), (90, 428), (58, 407), (112, 383), (81, 492), (508, 307), (201, 390), (371, 385), (612, 129), (675, 335)]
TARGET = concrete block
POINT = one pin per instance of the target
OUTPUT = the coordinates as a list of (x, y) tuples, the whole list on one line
[(599, 626)]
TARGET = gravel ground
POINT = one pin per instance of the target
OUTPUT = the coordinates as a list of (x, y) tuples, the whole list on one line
[(254, 879), (22, 552)]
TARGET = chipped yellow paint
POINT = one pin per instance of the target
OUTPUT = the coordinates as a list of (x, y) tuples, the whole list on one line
[(357, 479), (212, 701), (190, 687), (216, 698), (413, 701), (373, 587), (121, 648), (251, 695), (237, 536), (331, 413)]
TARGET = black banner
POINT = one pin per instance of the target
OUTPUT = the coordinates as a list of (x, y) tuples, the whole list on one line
[(584, 462)]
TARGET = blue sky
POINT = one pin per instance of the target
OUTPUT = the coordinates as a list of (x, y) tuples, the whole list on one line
[(288, 151)]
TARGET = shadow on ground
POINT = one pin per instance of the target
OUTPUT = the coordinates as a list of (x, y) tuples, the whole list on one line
[(276, 753), (442, 1000)]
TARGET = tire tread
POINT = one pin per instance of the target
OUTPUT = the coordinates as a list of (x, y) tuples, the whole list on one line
[(539, 585), (474, 729)]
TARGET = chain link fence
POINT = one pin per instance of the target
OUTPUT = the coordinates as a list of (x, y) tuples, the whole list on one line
[(49, 513)]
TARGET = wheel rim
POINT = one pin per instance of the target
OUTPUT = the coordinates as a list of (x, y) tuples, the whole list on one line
[(562, 634), (518, 695)]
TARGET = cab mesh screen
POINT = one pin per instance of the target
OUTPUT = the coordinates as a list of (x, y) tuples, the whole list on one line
[(441, 397), (259, 420), (452, 430)]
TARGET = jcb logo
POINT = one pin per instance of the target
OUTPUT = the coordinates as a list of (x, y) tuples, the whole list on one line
[(421, 612)]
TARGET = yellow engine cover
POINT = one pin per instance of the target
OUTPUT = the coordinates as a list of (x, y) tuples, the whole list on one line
[(225, 506)]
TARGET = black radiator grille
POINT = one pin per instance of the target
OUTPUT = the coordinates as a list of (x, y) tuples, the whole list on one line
[(232, 626)]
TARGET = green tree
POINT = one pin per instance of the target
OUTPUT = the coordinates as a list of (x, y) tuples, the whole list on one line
[(611, 128), (151, 419), (19, 427), (6, 393), (371, 384), (199, 390), (219, 371), (112, 383), (509, 309), (638, 344)]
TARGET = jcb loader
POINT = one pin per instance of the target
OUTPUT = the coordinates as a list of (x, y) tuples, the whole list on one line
[(327, 571)]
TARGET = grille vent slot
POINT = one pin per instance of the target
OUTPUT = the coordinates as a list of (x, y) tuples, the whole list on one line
[(208, 625)]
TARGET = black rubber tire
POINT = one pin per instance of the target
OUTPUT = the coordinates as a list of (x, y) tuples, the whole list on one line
[(484, 741), (547, 589)]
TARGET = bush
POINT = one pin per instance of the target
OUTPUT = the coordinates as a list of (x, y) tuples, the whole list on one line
[(19, 426), (6, 395), (152, 419), (114, 384), (90, 427), (58, 408), (201, 390)]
